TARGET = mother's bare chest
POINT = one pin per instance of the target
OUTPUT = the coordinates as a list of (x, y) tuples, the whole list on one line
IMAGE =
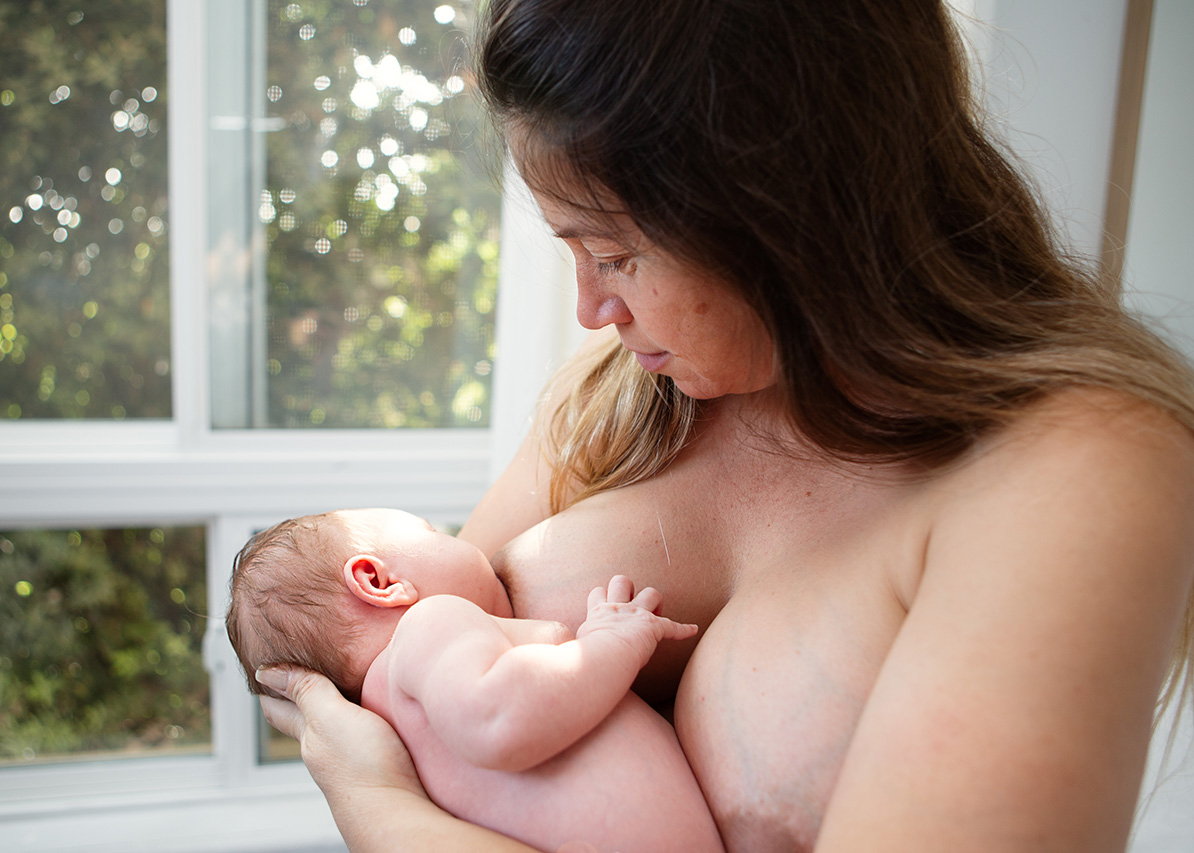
[(798, 574)]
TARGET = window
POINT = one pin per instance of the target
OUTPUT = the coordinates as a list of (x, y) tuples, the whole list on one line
[(370, 228), (101, 634), (84, 226), (187, 367)]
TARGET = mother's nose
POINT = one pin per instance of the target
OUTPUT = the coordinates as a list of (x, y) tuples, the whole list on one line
[(597, 305)]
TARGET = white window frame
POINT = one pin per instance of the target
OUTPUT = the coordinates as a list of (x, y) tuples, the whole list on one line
[(181, 471)]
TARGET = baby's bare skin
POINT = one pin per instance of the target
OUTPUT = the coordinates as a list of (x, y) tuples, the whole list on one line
[(622, 786)]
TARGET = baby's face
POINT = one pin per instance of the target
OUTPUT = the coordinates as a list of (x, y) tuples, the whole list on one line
[(436, 563)]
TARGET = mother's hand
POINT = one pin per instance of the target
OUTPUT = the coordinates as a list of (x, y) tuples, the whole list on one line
[(365, 772), (345, 747)]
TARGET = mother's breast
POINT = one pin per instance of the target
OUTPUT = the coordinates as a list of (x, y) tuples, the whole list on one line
[(647, 532), (772, 696)]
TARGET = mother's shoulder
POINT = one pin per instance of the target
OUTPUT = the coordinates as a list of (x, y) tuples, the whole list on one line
[(1074, 422), (1079, 440)]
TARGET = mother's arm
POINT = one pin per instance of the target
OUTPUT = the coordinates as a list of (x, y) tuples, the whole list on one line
[(365, 773), (516, 501), (1014, 710)]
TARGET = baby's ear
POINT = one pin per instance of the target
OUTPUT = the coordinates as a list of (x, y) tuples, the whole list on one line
[(370, 580)]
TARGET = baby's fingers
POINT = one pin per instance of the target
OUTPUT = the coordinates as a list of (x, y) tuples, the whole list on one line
[(621, 589), (677, 630), (649, 599)]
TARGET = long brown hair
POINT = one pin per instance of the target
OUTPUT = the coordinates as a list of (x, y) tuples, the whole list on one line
[(828, 160), (616, 424)]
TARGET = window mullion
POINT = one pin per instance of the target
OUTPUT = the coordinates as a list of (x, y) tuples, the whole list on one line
[(234, 740), (186, 59), (536, 290), (259, 125), (229, 61)]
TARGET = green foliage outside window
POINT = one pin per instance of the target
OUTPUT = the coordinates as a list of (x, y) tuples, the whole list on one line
[(84, 317), (380, 216), (100, 642)]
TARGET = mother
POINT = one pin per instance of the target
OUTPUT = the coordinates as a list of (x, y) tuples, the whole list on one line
[(926, 485)]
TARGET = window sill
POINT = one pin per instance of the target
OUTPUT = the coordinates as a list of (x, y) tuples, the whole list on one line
[(436, 473), (291, 816)]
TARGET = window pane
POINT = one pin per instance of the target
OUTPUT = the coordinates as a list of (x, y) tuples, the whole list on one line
[(100, 644), (84, 321), (378, 218)]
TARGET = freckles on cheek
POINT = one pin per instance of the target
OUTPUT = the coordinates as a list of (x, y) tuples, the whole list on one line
[(701, 308)]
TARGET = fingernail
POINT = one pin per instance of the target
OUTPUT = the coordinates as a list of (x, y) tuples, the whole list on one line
[(273, 678)]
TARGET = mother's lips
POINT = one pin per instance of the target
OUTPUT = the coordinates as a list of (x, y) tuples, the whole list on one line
[(652, 362)]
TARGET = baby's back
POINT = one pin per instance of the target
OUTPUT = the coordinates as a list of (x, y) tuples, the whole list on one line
[(626, 786)]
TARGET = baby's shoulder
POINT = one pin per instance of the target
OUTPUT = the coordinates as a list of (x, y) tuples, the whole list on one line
[(438, 616)]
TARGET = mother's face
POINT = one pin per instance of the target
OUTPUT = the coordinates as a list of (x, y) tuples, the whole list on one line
[(679, 321)]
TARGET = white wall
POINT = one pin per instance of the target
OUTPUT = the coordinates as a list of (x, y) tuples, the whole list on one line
[(1050, 79), (1157, 271), (1161, 223)]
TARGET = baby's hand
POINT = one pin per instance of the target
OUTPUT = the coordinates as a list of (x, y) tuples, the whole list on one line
[(633, 617)]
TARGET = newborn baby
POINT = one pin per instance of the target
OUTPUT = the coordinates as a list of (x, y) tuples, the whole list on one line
[(512, 724)]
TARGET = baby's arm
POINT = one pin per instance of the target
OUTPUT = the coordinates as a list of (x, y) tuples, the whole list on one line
[(509, 707)]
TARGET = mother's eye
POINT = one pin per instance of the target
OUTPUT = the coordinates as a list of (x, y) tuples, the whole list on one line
[(611, 266)]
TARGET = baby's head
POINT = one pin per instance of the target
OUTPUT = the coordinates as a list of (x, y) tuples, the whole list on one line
[(326, 591), (289, 604)]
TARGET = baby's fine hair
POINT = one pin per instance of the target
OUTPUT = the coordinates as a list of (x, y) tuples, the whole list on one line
[(287, 604)]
